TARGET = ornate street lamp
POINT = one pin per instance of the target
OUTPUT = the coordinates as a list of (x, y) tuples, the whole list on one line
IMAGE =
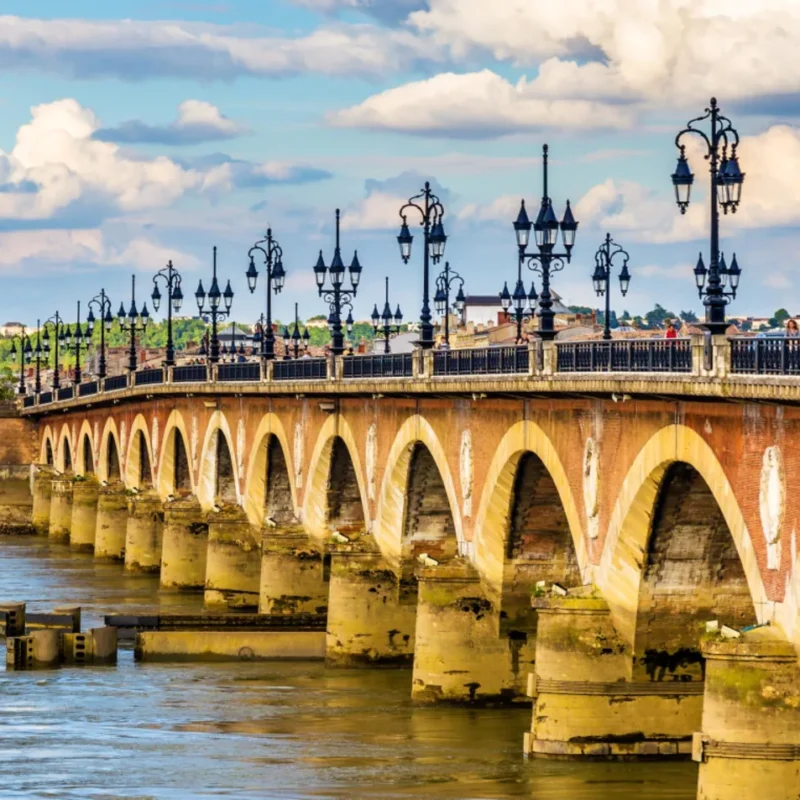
[(133, 322), (215, 297), (520, 306), (431, 212), (232, 351), (546, 261), (601, 278), (172, 283), (386, 324), (273, 261), (25, 353), (444, 283), (78, 341), (337, 297), (58, 337), (726, 191), (103, 305), (294, 340)]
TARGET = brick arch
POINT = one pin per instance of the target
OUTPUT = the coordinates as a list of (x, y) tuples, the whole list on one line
[(493, 521), (269, 434), (65, 449), (620, 573), (85, 448), (47, 441), (134, 458), (316, 495), (215, 454), (110, 450), (165, 483), (390, 518)]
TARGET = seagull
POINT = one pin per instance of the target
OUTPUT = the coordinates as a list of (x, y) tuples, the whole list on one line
[(427, 561)]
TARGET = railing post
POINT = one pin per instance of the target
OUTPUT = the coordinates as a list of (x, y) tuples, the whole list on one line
[(338, 367), (549, 358), (427, 364), (131, 376), (167, 374), (698, 348), (534, 368), (101, 387), (722, 356), (267, 370)]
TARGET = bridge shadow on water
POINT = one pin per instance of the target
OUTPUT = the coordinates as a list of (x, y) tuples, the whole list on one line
[(281, 730)]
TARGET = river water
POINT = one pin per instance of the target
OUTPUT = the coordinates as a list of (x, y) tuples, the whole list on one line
[(246, 730)]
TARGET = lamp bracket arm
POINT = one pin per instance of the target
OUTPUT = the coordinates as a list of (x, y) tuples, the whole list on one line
[(701, 134)]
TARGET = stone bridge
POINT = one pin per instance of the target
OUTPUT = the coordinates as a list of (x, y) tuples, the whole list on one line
[(562, 536)]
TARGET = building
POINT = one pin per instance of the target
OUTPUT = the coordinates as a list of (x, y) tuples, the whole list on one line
[(486, 309), (11, 329)]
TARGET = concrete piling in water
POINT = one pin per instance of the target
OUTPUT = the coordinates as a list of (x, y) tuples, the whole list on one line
[(233, 565), (185, 545), (83, 526), (95, 646), (294, 577), (13, 615), (144, 532), (60, 508), (42, 492), (112, 522)]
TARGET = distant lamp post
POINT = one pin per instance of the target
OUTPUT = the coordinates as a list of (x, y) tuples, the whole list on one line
[(276, 275), (77, 341), (386, 323), (444, 283), (601, 278), (215, 297), (519, 306), (58, 337), (726, 191), (546, 261), (24, 352), (38, 356), (103, 305), (133, 321), (431, 212), (294, 342), (338, 297), (172, 283)]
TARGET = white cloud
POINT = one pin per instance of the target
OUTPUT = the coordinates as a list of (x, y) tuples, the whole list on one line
[(377, 211), (502, 209), (777, 280), (477, 105)]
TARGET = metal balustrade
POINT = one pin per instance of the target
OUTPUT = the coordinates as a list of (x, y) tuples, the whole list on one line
[(625, 355), (86, 389), (300, 369), (248, 371), (481, 361), (45, 397), (115, 382), (66, 393), (190, 373), (775, 355), (385, 365), (148, 377), (28, 401)]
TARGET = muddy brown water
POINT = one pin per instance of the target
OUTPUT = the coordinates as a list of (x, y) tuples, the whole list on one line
[(245, 730)]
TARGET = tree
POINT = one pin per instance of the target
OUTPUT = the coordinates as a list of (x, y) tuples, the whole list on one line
[(656, 317), (689, 316), (778, 318)]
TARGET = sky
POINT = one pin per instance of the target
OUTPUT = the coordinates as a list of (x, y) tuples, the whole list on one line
[(132, 133)]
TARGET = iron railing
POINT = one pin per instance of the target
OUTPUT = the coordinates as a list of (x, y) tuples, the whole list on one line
[(85, 389), (776, 355), (67, 393), (28, 401), (625, 355), (45, 397), (115, 382), (147, 377), (248, 371), (481, 361), (190, 373), (300, 369), (386, 365)]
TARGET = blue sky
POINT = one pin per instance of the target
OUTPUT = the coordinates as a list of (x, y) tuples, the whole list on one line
[(132, 133)]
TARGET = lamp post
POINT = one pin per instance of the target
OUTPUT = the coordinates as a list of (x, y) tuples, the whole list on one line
[(103, 305), (383, 323), (58, 336), (444, 282), (294, 339), (273, 261), (337, 297), (214, 298), (79, 341), (431, 212), (726, 191), (604, 261), (136, 323), (524, 305), (546, 261), (172, 283), (38, 355), (25, 353)]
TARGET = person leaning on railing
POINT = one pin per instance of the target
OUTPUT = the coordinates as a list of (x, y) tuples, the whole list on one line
[(671, 333), (792, 330)]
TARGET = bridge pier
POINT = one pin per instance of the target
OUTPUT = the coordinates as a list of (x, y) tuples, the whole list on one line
[(112, 522), (293, 574), (750, 740), (233, 562), (185, 545), (460, 655), (586, 702), (60, 508), (84, 514), (42, 492), (371, 612), (144, 532)]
